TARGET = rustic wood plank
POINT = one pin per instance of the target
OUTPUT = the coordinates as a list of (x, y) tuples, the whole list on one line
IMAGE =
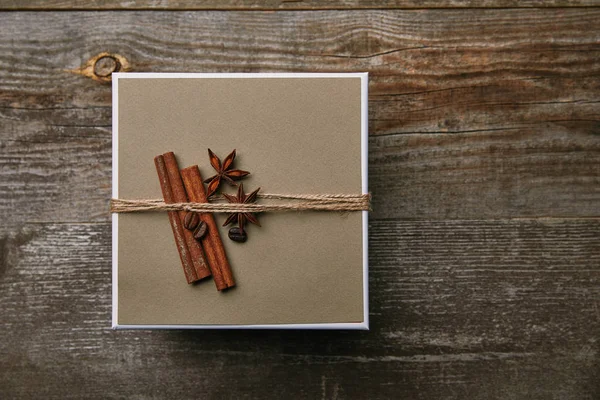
[(431, 71), (54, 173), (460, 309), (517, 97), (547, 171), (262, 5)]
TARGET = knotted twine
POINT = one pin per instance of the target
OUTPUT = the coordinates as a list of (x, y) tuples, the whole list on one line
[(304, 202)]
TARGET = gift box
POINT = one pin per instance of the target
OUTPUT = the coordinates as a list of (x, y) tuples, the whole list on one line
[(300, 136)]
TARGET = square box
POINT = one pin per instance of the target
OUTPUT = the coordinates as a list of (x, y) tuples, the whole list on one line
[(296, 133)]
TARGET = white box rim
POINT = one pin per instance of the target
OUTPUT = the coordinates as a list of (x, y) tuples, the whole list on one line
[(364, 325)]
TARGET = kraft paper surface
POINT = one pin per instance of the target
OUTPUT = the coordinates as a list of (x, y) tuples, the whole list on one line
[(295, 135)]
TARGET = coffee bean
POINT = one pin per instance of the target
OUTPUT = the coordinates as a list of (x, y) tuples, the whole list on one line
[(191, 221), (201, 230), (238, 235)]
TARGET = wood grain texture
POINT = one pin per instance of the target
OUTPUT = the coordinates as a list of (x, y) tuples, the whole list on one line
[(552, 171), (507, 93), (460, 309), (484, 165), (431, 71), (264, 5)]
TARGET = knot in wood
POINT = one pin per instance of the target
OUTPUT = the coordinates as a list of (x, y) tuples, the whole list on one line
[(104, 66), (101, 66)]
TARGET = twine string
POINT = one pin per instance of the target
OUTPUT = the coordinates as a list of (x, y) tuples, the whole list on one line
[(303, 202)]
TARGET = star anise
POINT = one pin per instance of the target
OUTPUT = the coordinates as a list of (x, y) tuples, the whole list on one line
[(224, 172), (242, 217)]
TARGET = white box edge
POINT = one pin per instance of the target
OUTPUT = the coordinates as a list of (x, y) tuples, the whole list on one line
[(364, 325)]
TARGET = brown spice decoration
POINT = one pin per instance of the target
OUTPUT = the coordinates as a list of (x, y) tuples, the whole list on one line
[(212, 244), (200, 230), (242, 217), (224, 171), (190, 251), (192, 223)]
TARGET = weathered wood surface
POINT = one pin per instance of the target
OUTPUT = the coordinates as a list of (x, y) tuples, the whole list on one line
[(282, 4), (485, 239), (460, 309), (520, 87)]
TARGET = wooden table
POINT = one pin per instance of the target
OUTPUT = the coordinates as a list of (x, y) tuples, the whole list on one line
[(484, 166)]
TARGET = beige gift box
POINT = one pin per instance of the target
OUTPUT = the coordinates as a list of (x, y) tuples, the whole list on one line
[(295, 133)]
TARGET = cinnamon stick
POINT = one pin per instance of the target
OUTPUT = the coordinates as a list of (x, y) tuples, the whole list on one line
[(180, 196), (178, 231), (212, 243)]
